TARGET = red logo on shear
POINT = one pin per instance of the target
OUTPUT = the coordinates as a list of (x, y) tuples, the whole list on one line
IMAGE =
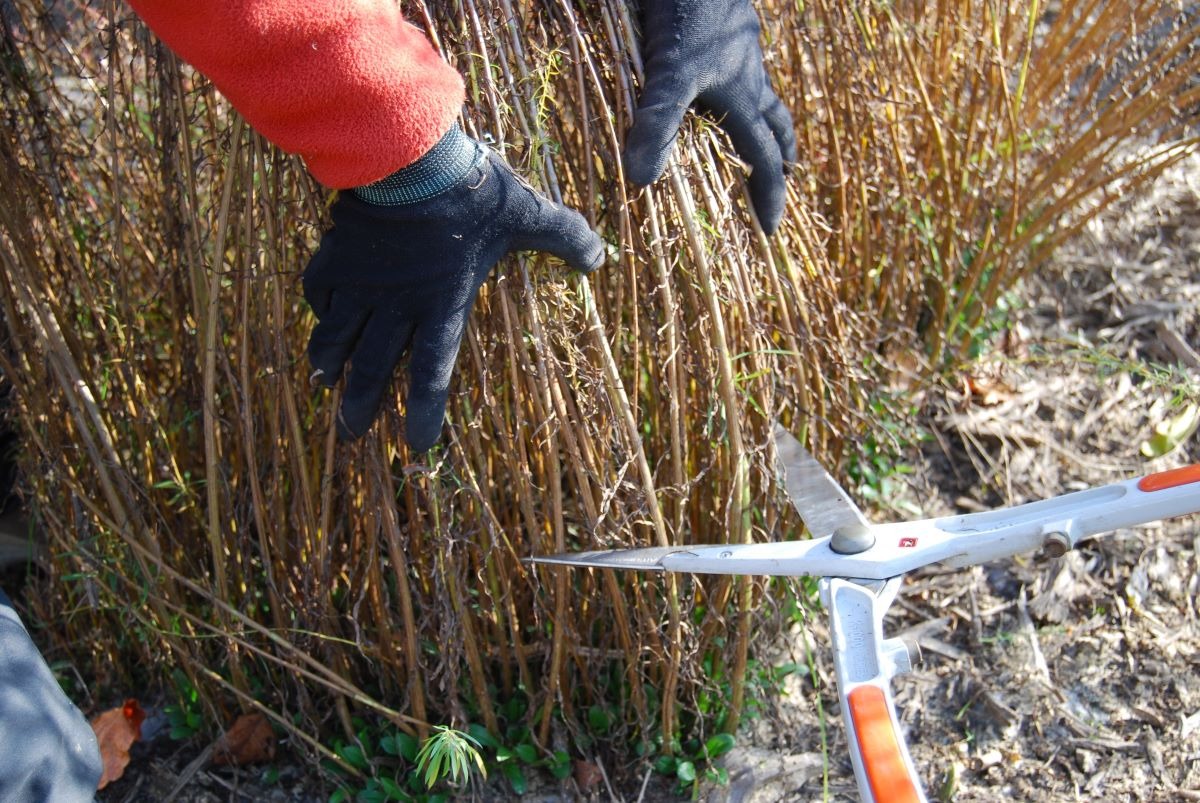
[(907, 542)]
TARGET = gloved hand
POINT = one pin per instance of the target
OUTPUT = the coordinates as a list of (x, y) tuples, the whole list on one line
[(707, 51), (400, 269)]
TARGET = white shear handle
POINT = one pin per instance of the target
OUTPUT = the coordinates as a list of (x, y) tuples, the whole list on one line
[(865, 663)]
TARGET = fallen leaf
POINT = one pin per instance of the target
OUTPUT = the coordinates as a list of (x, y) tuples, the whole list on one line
[(250, 740), (116, 731), (988, 391), (587, 775)]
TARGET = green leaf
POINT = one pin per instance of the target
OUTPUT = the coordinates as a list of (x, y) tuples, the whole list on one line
[(372, 794), (686, 772), (353, 755), (665, 765), (393, 790), (514, 709), (516, 777), (409, 746), (718, 775), (400, 744), (527, 753), (561, 768), (719, 745), (515, 734), (783, 670), (599, 719), (482, 735), (340, 796), (1171, 433), (181, 732)]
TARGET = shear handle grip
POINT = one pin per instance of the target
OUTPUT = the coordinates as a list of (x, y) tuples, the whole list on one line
[(865, 662), (876, 741), (1172, 478)]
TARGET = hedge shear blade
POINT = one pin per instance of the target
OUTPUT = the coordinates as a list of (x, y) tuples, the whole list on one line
[(861, 567), (821, 502), (648, 559)]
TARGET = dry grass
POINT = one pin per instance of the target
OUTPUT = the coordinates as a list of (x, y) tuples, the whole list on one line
[(201, 514)]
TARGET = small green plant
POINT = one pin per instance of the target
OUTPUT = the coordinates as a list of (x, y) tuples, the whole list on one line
[(519, 753), (185, 716), (1171, 428), (449, 754), (387, 757), (1174, 382), (394, 766), (690, 766), (1003, 638), (878, 464)]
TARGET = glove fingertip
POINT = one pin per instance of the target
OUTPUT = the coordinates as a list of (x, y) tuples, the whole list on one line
[(322, 378), (358, 410), (595, 260), (648, 146), (588, 252), (420, 443), (643, 163), (422, 429), (327, 363), (769, 198), (566, 234), (771, 222), (348, 432)]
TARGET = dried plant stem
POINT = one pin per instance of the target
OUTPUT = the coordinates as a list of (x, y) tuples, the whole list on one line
[(211, 321)]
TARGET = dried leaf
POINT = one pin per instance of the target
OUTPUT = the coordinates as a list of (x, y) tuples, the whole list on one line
[(116, 731), (988, 391), (587, 775), (250, 740)]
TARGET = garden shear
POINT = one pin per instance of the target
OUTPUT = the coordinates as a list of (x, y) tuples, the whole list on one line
[(861, 566)]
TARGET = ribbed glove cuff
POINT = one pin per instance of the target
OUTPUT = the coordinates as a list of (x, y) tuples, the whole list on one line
[(438, 170)]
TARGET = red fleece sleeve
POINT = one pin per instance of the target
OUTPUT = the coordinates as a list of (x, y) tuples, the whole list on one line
[(346, 84)]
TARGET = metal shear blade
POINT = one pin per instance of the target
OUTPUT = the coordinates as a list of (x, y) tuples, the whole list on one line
[(821, 502), (647, 559)]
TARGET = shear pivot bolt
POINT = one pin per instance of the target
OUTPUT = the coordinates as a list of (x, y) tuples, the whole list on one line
[(1056, 545), (851, 539)]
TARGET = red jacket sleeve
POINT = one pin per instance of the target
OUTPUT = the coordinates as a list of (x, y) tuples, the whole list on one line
[(346, 84)]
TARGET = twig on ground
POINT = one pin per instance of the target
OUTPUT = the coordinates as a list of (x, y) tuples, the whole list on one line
[(1178, 346), (645, 783), (190, 770), (1030, 632), (607, 783), (976, 620)]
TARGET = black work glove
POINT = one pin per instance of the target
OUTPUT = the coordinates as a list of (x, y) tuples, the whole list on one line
[(707, 51), (402, 277)]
